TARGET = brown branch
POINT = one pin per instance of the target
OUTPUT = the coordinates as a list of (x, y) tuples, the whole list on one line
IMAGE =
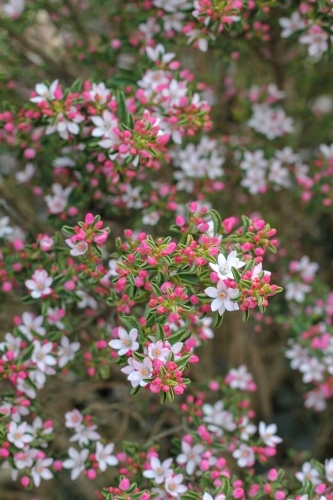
[(62, 68)]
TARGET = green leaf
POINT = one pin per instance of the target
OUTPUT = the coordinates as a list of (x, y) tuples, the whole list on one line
[(130, 121), (246, 223), (77, 85), (156, 289), (183, 361), (179, 336), (28, 353), (236, 275), (28, 299), (188, 278), (121, 106), (245, 315), (159, 332), (217, 221), (129, 321), (217, 321), (68, 230)]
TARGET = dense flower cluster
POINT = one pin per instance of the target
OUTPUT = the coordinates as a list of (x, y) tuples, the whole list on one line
[(127, 158)]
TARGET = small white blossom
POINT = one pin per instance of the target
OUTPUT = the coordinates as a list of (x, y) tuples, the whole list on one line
[(158, 471), (76, 462), (267, 434), (224, 265), (190, 456), (308, 472), (126, 342), (222, 296), (104, 455)]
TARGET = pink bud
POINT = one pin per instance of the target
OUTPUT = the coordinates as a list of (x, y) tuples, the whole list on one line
[(124, 484), (6, 286), (272, 474), (91, 474), (25, 481), (57, 465), (89, 219), (180, 221), (70, 286), (29, 153)]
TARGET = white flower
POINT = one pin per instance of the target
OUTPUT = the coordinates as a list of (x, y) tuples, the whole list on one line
[(279, 174), (298, 355), (99, 93), (24, 458), (17, 434), (150, 28), (239, 378), (317, 39), (141, 371), (329, 470), (85, 434), (267, 434), (244, 456), (158, 351), (54, 316), (78, 248), (63, 161), (64, 126), (126, 342), (104, 455), (173, 21), (173, 485), (41, 355), (286, 155), (5, 229), (86, 300), (296, 291), (312, 370), (57, 202), (104, 127), (45, 93), (30, 324), (308, 472), (76, 462), (254, 160), (224, 265), (39, 284), (26, 174), (327, 151), (295, 23), (306, 268), (150, 218), (158, 471), (254, 181), (222, 295), (171, 5), (218, 418), (40, 470), (13, 8), (74, 419), (158, 53), (66, 351), (207, 496), (11, 344), (246, 429), (315, 399), (191, 456)]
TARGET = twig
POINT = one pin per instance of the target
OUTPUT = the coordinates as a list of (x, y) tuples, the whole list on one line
[(165, 433)]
